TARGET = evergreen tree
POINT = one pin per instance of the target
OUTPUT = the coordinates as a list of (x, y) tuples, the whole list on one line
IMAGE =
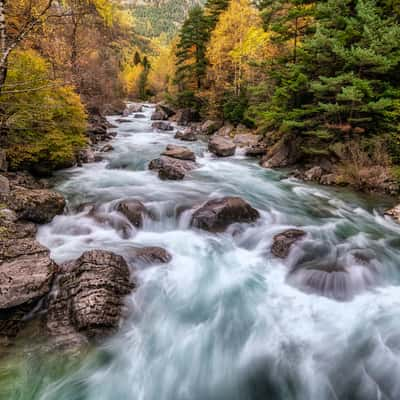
[(346, 80), (137, 59), (213, 9), (191, 50)]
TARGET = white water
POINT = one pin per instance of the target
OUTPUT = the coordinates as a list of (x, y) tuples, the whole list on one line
[(225, 319)]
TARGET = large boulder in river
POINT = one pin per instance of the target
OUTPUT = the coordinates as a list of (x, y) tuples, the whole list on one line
[(221, 146), (134, 210), (284, 241), (179, 152), (162, 126), (171, 168), (39, 206), (89, 298), (216, 215)]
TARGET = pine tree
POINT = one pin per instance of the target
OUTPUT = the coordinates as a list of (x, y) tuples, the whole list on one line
[(191, 49), (346, 80), (137, 59), (213, 9)]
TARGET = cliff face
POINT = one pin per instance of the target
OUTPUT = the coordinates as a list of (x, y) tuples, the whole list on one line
[(155, 17)]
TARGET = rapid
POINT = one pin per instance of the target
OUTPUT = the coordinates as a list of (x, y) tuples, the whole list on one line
[(225, 319)]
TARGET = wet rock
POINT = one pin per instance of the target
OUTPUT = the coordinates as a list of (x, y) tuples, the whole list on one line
[(394, 213), (89, 300), (256, 150), (86, 156), (123, 120), (115, 222), (166, 109), (171, 168), (132, 108), (284, 241), (221, 146), (188, 135), (140, 116), (216, 215), (134, 210), (3, 161), (284, 153), (149, 256), (107, 148), (158, 116), (328, 179), (179, 152), (313, 174), (39, 206), (162, 126), (210, 127), (246, 139)]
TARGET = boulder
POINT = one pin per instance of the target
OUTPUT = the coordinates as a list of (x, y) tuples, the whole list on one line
[(216, 215), (179, 152), (162, 126), (158, 116), (171, 168), (186, 116), (284, 241), (140, 116), (107, 148), (313, 174), (116, 222), (394, 213), (187, 135), (226, 130), (329, 179), (284, 153), (221, 146), (86, 156), (123, 120), (246, 139), (148, 256), (210, 127), (88, 301), (165, 109), (256, 150), (3, 161), (39, 206), (134, 210)]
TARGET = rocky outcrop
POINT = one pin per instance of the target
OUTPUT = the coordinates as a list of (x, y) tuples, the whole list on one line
[(284, 153), (132, 108), (148, 256), (246, 139), (89, 299), (284, 241), (210, 127), (171, 168), (162, 113), (226, 130), (179, 152), (186, 116), (134, 210), (158, 116), (187, 135), (162, 126), (256, 150), (216, 215), (38, 205), (221, 146)]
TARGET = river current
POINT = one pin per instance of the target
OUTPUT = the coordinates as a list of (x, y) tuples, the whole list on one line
[(226, 320)]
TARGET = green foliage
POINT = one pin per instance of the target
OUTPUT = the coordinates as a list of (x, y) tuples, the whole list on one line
[(186, 99), (213, 9), (235, 108), (45, 120)]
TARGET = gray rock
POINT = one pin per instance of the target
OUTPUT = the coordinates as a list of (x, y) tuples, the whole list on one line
[(187, 135), (179, 152), (134, 211), (313, 174), (210, 127), (148, 256), (162, 126), (284, 153), (4, 186), (38, 205), (107, 148), (284, 241), (171, 168), (221, 146), (216, 215), (3, 161)]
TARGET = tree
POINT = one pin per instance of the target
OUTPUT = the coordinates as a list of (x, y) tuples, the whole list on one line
[(213, 9), (137, 59), (191, 50)]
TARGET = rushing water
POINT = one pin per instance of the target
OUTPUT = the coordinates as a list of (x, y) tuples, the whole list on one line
[(225, 320)]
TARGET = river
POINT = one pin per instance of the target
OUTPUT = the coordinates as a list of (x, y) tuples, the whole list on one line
[(225, 320)]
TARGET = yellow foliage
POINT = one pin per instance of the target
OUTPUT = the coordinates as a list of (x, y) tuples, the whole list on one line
[(130, 78)]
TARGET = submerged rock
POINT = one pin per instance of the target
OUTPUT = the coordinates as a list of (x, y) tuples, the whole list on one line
[(179, 152), (284, 241), (134, 210), (89, 299), (221, 146), (39, 205), (149, 256), (216, 215), (171, 168), (162, 126)]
